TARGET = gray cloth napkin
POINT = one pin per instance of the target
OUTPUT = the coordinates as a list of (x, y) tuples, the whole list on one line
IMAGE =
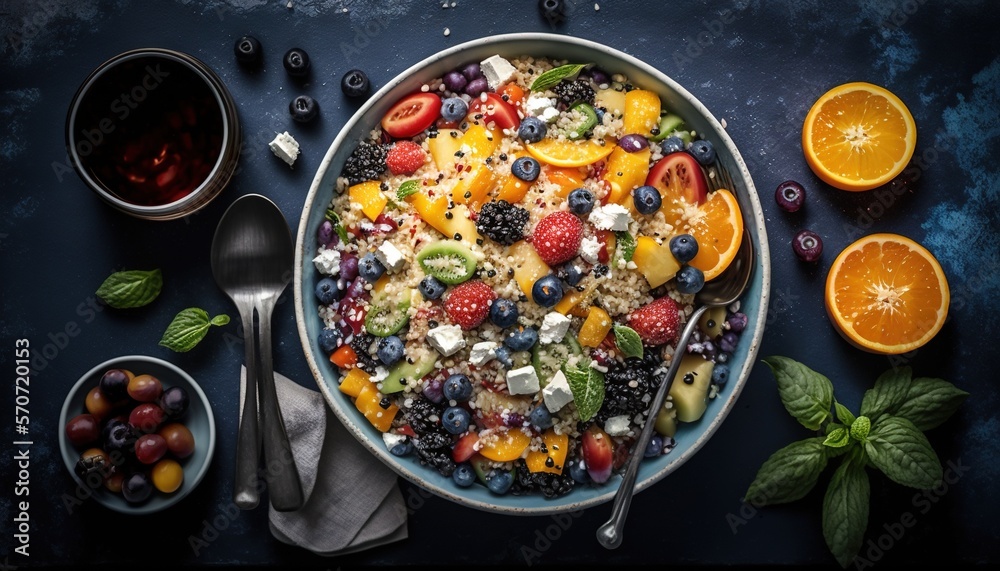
[(353, 501)]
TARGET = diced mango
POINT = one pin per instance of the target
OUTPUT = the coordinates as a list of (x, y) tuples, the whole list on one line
[(513, 190), (354, 381), (481, 141), (552, 458), (473, 186), (435, 212), (568, 178), (368, 195), (506, 446), (642, 112), (444, 146), (595, 328), (368, 403), (528, 266), (611, 100), (626, 171), (654, 261), (382, 419)]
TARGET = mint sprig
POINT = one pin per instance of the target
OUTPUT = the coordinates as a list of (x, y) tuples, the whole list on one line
[(338, 226), (188, 328), (555, 75), (628, 341), (407, 188), (887, 435), (587, 386), (131, 288), (628, 244)]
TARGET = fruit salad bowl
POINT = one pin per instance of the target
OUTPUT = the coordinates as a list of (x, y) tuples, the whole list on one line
[(365, 420)]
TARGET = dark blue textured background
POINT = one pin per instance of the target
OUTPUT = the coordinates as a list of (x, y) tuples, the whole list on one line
[(758, 65)]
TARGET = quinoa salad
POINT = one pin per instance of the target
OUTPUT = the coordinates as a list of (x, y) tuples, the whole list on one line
[(505, 267)]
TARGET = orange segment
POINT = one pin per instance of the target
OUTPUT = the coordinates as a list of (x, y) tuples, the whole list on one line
[(506, 445), (562, 153), (887, 294), (858, 136), (718, 227)]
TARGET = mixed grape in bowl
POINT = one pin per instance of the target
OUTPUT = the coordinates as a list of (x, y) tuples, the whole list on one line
[(494, 261)]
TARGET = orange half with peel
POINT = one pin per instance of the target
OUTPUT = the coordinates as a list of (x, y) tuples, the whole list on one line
[(717, 225)]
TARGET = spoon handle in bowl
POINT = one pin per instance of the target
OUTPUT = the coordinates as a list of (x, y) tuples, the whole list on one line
[(245, 493), (284, 486)]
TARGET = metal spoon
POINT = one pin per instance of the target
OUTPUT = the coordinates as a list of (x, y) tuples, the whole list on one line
[(722, 291), (252, 258)]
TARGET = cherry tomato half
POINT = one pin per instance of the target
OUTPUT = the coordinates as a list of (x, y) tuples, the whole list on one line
[(495, 109), (679, 176), (411, 115)]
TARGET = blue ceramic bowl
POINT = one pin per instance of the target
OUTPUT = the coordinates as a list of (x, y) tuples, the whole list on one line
[(690, 436), (199, 420)]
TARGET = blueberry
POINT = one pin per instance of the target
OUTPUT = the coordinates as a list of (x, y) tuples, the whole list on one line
[(454, 81), (737, 322), (581, 201), (328, 339), (472, 71), (671, 145), (647, 199), (808, 246), (703, 152), (499, 482), (540, 417), (457, 388), (503, 356), (503, 313), (720, 374), (296, 62), (554, 11), (578, 472), (355, 83), (690, 279), (389, 350), (532, 130), (327, 291), (526, 169), (547, 291), (476, 87), (600, 76), (570, 273), (521, 340), (402, 448), (790, 195), (464, 476), (455, 420), (454, 109), (370, 268), (684, 247), (728, 341), (248, 50), (655, 446), (303, 109), (431, 287)]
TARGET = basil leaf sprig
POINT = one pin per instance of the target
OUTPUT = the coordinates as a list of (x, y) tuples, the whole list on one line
[(188, 328), (131, 288), (887, 435)]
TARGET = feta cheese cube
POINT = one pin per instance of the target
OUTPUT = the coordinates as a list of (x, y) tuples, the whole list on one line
[(590, 247), (617, 425), (557, 393), (536, 104), (610, 217), (522, 381), (327, 262), (483, 353), (392, 439), (390, 256), (554, 327), (285, 147), (447, 339), (497, 70)]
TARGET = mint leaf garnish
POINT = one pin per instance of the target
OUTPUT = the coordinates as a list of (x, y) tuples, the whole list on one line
[(888, 393), (839, 438), (627, 242), (628, 341), (555, 75), (843, 415), (929, 402), (789, 474), (897, 448), (337, 225), (860, 428), (188, 328), (806, 394), (845, 509), (132, 288), (407, 188), (587, 386)]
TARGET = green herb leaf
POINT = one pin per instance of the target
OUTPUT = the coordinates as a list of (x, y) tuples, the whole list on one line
[(845, 509), (337, 225), (839, 438), (407, 188), (553, 76), (188, 328), (806, 394), (929, 402), (860, 428), (628, 341), (132, 288), (843, 414), (587, 386), (898, 448), (627, 242), (789, 474), (888, 393)]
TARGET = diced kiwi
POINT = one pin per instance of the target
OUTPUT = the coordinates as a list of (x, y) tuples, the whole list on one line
[(668, 124), (666, 422), (549, 359), (589, 121), (711, 322), (689, 390), (405, 371), (388, 314), (448, 261)]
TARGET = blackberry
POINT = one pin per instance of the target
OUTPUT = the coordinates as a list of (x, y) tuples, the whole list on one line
[(364, 344), (502, 221), (550, 485), (367, 162), (437, 458), (624, 388), (435, 438), (419, 414), (570, 92)]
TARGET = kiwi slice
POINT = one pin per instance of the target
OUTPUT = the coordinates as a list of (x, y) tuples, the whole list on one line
[(387, 315), (448, 261), (404, 371), (668, 124), (549, 359), (589, 120)]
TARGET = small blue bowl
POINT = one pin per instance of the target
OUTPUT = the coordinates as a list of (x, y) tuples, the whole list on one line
[(198, 419)]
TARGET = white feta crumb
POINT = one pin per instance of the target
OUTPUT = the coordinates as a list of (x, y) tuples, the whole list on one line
[(550, 114), (617, 425), (554, 327), (557, 393), (381, 373), (447, 31), (447, 339), (390, 256), (610, 217), (327, 262), (285, 147), (590, 248), (391, 439), (497, 71), (482, 353), (536, 104), (631, 265), (522, 381)]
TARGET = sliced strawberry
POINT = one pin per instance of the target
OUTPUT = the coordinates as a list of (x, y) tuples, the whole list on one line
[(557, 237), (406, 430), (405, 158), (603, 236), (656, 322), (465, 447), (598, 452), (468, 304)]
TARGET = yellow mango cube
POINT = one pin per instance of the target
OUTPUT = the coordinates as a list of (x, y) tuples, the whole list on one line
[(368, 195), (642, 112)]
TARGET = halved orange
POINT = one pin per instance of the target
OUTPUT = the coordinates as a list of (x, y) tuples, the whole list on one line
[(887, 294), (563, 153), (858, 136), (718, 228)]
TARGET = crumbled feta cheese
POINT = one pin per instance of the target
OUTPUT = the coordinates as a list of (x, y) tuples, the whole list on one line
[(617, 425), (381, 373), (557, 393), (390, 256), (285, 147), (610, 217), (550, 114), (536, 104), (554, 327), (497, 70), (522, 381), (391, 439), (327, 262), (590, 247), (482, 353), (447, 339)]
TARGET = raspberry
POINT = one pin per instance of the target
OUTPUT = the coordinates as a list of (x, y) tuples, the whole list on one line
[(557, 237), (405, 158), (656, 322), (468, 304)]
